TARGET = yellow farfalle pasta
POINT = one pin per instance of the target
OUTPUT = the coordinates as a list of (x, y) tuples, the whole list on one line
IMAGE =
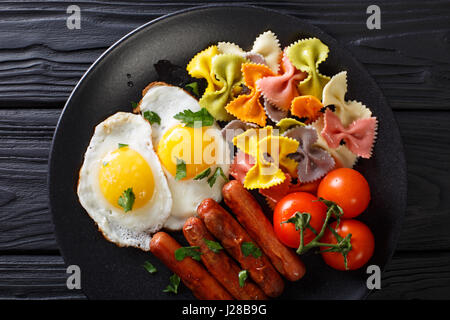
[(306, 55), (334, 94), (226, 69), (270, 152), (200, 66)]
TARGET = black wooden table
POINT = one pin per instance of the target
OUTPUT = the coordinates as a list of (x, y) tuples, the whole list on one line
[(41, 60)]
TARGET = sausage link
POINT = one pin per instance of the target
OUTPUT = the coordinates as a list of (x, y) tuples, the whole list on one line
[(219, 264), (250, 215), (228, 231), (193, 275)]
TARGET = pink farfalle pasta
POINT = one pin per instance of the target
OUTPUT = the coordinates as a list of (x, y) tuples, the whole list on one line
[(359, 136), (281, 89)]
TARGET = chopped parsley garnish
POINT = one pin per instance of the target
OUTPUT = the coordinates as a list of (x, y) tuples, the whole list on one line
[(193, 87), (134, 105), (193, 119), (126, 200), (218, 172), (122, 145), (149, 267), (152, 117), (203, 174), (183, 252), (181, 169), (213, 245), (243, 275), (248, 248), (173, 285)]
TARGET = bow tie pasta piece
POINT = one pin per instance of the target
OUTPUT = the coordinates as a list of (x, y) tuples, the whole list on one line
[(247, 107), (306, 107), (266, 45), (270, 152), (272, 112), (306, 55), (200, 66), (334, 94), (313, 161), (226, 69), (343, 157), (359, 136), (281, 89)]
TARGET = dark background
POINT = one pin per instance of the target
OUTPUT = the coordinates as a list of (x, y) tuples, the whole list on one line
[(41, 60)]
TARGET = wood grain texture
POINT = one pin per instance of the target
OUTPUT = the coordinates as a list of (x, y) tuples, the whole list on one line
[(408, 276), (25, 222), (41, 59)]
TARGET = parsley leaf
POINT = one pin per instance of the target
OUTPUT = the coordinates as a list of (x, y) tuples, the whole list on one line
[(243, 275), (134, 105), (126, 200), (193, 87), (203, 174), (218, 172), (192, 119), (248, 248), (181, 169), (213, 245), (122, 145), (183, 252), (152, 117), (149, 267), (173, 285)]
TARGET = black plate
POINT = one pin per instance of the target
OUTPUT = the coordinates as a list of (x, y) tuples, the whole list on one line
[(108, 271)]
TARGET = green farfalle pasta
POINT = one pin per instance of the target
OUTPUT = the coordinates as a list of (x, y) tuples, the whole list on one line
[(227, 71), (306, 55)]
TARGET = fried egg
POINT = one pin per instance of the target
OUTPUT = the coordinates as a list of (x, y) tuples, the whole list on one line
[(201, 148), (122, 185)]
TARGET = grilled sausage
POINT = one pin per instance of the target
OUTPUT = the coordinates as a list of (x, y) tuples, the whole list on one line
[(219, 264), (252, 218), (193, 275), (228, 231)]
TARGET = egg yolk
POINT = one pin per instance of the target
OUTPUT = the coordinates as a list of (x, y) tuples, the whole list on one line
[(125, 168), (192, 145)]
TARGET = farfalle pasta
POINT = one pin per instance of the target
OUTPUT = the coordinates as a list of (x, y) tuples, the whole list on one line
[(270, 152), (281, 89), (313, 161), (275, 98), (266, 45), (306, 55), (247, 107), (226, 69), (334, 94)]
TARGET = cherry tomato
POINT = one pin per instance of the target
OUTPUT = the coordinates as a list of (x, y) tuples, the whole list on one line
[(287, 207), (362, 245), (347, 188)]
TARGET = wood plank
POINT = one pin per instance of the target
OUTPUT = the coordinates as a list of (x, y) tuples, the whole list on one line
[(427, 276), (25, 222), (41, 59), (416, 275), (35, 277)]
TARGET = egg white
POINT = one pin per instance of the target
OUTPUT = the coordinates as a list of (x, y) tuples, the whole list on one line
[(167, 101), (133, 228)]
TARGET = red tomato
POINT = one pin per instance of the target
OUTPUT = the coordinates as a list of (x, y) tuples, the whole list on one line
[(347, 188), (362, 245), (287, 207)]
